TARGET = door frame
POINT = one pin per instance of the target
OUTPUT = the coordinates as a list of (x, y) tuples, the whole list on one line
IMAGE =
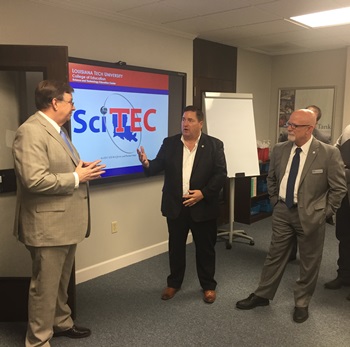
[(52, 61)]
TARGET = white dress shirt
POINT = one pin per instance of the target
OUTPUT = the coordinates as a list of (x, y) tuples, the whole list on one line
[(187, 165), (303, 154)]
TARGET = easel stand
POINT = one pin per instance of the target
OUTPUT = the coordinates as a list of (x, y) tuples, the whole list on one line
[(230, 232)]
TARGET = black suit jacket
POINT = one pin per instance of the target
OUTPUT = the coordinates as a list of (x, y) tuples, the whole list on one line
[(208, 175)]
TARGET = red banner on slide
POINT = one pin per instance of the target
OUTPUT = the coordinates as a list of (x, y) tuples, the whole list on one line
[(90, 74)]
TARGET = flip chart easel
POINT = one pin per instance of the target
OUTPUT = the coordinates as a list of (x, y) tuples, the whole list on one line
[(230, 117)]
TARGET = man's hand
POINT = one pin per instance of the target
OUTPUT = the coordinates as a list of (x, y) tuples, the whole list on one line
[(88, 171), (192, 197), (143, 157)]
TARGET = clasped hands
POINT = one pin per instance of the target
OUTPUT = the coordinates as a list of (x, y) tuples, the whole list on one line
[(88, 171), (192, 197)]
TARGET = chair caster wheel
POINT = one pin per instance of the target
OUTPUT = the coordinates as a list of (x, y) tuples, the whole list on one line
[(228, 245), (251, 243)]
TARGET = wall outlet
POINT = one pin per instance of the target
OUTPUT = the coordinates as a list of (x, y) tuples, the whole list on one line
[(114, 227)]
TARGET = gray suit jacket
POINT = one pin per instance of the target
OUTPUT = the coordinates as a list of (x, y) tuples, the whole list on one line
[(322, 182), (49, 211)]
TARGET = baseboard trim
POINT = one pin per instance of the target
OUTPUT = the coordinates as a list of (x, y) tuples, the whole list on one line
[(114, 264)]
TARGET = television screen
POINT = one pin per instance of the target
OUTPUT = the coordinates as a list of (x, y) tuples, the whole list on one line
[(120, 108)]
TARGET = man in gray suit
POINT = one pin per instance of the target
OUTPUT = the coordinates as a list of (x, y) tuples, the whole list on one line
[(300, 209), (52, 212), (319, 135)]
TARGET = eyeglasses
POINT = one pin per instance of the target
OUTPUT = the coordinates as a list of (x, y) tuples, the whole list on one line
[(69, 102), (294, 126)]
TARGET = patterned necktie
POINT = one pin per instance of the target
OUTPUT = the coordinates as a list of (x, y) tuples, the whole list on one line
[(292, 177)]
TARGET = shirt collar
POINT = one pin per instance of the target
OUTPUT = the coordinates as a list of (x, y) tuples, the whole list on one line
[(51, 121), (199, 137), (305, 147)]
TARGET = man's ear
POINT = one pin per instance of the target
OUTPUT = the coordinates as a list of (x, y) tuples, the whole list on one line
[(54, 104)]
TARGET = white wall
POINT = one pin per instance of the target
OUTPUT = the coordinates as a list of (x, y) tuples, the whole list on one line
[(265, 75), (254, 76), (135, 205)]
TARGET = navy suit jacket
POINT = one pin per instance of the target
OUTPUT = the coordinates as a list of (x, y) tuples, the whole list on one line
[(208, 175)]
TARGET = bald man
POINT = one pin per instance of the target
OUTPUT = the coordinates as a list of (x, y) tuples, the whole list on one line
[(301, 206)]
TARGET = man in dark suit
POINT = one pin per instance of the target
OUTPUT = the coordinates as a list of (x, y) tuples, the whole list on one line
[(301, 207), (343, 221), (194, 168), (52, 212)]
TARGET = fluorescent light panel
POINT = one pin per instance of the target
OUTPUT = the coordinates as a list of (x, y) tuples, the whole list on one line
[(339, 16)]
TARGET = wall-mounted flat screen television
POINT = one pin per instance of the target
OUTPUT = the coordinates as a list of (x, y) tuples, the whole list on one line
[(120, 108)]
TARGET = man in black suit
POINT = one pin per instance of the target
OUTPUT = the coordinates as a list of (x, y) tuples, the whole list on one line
[(342, 220), (194, 168)]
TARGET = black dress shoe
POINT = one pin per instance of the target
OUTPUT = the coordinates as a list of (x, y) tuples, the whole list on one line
[(336, 284), (74, 332), (301, 314), (252, 301)]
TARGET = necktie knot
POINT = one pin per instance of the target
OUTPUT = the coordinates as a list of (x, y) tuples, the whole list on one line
[(297, 150)]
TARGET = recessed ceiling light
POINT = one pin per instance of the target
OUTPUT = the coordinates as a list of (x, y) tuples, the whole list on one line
[(339, 16)]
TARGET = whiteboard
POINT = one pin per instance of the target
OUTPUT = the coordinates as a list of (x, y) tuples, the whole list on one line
[(230, 118)]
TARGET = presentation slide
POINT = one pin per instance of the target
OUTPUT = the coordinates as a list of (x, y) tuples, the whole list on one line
[(118, 111)]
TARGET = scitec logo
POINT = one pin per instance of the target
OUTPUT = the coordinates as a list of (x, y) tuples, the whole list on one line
[(120, 120)]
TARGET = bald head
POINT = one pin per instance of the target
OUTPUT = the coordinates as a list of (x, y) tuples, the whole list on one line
[(306, 116), (301, 125)]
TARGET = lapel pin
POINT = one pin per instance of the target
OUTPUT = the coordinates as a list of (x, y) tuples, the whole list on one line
[(202, 146)]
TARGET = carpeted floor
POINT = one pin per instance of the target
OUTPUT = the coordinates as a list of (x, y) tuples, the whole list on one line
[(124, 308)]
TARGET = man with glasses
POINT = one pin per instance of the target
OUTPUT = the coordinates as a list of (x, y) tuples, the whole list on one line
[(306, 184), (52, 212), (317, 134)]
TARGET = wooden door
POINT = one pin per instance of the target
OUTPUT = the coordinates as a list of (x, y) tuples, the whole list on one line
[(52, 61)]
